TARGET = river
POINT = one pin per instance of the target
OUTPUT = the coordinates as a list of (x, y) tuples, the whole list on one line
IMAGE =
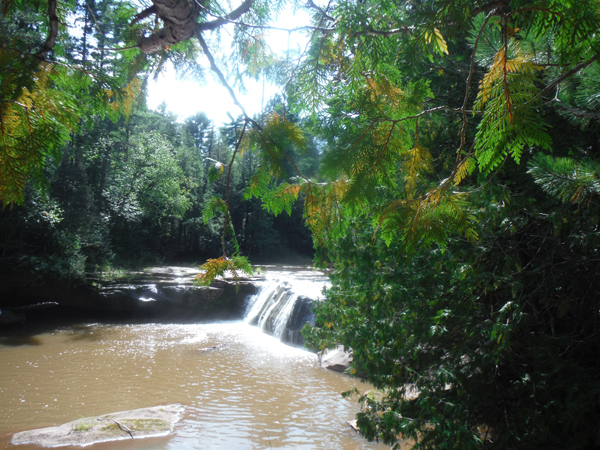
[(250, 392)]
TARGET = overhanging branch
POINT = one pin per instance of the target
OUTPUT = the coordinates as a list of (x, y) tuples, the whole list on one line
[(217, 71), (233, 15)]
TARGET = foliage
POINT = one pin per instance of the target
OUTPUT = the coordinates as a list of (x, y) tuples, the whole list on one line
[(34, 126), (466, 257), (149, 183), (214, 268), (458, 275), (566, 179), (39, 105), (484, 332)]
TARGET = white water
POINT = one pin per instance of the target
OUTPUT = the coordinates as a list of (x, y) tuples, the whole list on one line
[(271, 309)]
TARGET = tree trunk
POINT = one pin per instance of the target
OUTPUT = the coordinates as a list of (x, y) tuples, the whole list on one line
[(180, 18), (103, 172)]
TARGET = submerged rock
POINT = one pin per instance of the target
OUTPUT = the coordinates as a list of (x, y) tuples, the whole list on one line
[(135, 424)]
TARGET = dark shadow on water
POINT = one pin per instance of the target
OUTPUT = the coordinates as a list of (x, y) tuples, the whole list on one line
[(17, 340), (82, 332), (55, 319), (77, 321)]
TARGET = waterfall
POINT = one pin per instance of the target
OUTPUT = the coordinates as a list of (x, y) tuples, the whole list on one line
[(284, 304)]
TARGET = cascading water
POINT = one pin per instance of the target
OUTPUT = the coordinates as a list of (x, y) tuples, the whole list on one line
[(284, 303)]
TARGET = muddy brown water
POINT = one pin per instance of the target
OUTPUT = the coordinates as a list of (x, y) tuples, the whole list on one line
[(251, 392)]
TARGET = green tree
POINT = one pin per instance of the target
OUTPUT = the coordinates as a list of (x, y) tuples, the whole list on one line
[(52, 79), (456, 276)]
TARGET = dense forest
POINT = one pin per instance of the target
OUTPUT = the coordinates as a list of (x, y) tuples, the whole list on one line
[(444, 155), (131, 192)]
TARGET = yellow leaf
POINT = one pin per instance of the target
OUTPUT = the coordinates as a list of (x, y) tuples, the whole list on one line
[(417, 161), (440, 42), (464, 168)]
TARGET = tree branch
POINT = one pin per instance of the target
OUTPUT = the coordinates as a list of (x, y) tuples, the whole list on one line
[(576, 112), (394, 32), (570, 73), (215, 69), (311, 4), (53, 33), (463, 129), (221, 76), (233, 15), (286, 30), (227, 217), (145, 13)]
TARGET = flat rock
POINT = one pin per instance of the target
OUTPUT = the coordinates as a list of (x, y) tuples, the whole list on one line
[(134, 424)]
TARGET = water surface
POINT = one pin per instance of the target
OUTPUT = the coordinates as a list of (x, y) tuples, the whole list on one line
[(252, 392)]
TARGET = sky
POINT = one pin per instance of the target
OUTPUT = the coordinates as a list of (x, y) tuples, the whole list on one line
[(187, 97)]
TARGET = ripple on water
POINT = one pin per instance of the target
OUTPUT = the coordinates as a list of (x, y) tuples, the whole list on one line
[(251, 391)]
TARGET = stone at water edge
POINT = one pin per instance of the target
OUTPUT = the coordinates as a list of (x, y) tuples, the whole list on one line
[(156, 421), (336, 359)]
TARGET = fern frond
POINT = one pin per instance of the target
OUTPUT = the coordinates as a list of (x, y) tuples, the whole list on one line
[(465, 168), (282, 198)]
